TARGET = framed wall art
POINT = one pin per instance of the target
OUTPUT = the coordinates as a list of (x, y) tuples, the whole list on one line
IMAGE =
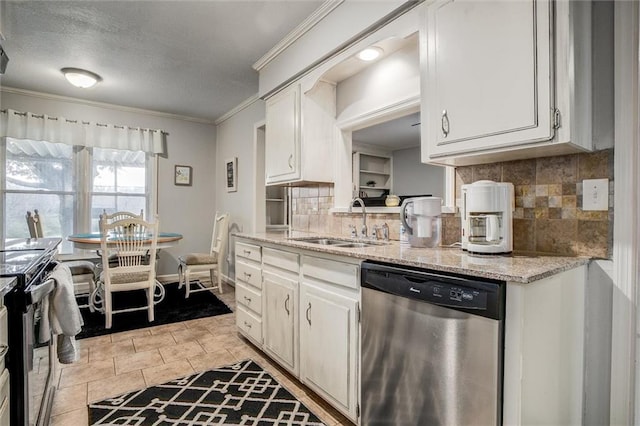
[(231, 167), (183, 175)]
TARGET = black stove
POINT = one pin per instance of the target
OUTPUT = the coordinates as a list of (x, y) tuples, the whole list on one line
[(29, 261)]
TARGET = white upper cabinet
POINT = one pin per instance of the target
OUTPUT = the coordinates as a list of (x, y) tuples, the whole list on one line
[(501, 81), (300, 135)]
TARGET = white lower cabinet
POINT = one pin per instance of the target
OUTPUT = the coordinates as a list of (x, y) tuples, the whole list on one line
[(302, 311), (280, 320), (328, 345)]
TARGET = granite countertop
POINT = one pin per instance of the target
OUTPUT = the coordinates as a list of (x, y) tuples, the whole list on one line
[(519, 268)]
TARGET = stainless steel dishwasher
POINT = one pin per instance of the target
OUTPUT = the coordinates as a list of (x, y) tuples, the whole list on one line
[(432, 348)]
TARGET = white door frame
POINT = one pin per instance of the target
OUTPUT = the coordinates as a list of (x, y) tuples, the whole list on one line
[(625, 382)]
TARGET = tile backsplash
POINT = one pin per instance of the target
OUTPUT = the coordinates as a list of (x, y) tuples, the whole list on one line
[(548, 216)]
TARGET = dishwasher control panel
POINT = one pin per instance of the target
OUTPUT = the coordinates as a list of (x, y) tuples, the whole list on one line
[(466, 294)]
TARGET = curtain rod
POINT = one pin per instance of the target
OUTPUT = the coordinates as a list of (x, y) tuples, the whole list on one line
[(24, 114)]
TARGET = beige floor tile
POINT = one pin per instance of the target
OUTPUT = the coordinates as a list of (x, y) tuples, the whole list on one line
[(181, 351), (167, 328), (221, 328), (221, 341), (148, 343), (69, 399), (199, 322), (94, 341), (137, 361), (207, 361), (191, 334), (165, 372), (111, 350), (131, 334), (122, 383), (72, 418), (85, 373)]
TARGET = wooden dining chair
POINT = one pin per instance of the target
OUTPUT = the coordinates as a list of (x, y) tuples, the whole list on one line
[(206, 262), (133, 242), (83, 272)]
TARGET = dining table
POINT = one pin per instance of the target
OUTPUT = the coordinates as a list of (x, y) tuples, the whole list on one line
[(91, 240)]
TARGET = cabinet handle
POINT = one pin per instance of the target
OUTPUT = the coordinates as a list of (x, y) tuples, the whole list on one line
[(247, 275), (3, 350), (308, 311), (247, 252), (445, 123), (247, 299), (286, 305), (289, 161), (246, 324)]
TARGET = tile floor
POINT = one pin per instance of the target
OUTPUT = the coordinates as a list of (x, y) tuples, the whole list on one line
[(131, 360)]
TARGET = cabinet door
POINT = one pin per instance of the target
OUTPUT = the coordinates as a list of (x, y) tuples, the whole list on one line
[(282, 137), (488, 75), (278, 313), (328, 345)]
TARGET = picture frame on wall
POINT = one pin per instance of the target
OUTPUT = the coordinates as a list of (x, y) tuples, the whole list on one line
[(183, 175), (231, 167)]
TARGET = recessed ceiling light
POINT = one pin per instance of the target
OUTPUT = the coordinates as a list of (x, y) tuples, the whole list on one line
[(370, 53), (81, 78)]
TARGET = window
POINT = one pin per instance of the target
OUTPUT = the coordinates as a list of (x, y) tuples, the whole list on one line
[(54, 179)]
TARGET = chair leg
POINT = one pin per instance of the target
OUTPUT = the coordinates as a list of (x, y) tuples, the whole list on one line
[(187, 282), (150, 311), (92, 288), (180, 275), (219, 276), (107, 309)]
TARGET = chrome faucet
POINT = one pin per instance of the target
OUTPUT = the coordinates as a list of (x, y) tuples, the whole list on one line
[(363, 229)]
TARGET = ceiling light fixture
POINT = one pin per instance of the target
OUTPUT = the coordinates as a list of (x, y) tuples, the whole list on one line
[(370, 53), (81, 78)]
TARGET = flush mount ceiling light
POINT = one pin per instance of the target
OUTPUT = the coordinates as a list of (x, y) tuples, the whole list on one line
[(81, 78), (370, 53)]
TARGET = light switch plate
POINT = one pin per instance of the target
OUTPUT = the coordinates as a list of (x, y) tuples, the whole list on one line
[(595, 194)]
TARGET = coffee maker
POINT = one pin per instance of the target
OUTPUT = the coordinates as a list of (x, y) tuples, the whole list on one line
[(487, 217)]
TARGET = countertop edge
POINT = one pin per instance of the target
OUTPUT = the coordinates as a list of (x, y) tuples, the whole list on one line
[(486, 270)]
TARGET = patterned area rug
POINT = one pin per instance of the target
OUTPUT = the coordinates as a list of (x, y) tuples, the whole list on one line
[(238, 394)]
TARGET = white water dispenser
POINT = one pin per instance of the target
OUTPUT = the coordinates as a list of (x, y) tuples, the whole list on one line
[(420, 217)]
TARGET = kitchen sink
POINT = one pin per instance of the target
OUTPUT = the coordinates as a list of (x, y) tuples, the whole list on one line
[(335, 242)]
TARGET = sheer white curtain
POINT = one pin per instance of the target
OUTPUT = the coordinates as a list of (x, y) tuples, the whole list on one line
[(41, 127)]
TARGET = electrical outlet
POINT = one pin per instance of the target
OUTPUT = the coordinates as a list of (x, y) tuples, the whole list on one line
[(595, 194)]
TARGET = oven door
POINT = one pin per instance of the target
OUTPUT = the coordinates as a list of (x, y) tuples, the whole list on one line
[(40, 357)]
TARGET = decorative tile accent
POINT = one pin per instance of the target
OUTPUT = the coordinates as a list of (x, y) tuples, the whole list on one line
[(548, 202)]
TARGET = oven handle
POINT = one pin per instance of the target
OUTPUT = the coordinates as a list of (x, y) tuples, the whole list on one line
[(39, 292)]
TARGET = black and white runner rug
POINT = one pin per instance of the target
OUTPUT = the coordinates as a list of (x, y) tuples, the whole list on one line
[(238, 394)]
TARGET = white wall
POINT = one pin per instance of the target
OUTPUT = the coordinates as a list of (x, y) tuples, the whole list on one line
[(412, 177), (235, 138), (343, 23), (184, 209)]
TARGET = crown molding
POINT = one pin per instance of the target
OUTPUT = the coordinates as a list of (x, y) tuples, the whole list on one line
[(50, 96), (245, 104), (318, 15)]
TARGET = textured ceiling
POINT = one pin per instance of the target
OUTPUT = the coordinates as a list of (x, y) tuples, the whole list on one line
[(191, 58)]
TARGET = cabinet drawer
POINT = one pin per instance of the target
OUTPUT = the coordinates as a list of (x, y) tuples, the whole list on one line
[(249, 274), (331, 271), (249, 297), (249, 324), (281, 259), (248, 251)]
